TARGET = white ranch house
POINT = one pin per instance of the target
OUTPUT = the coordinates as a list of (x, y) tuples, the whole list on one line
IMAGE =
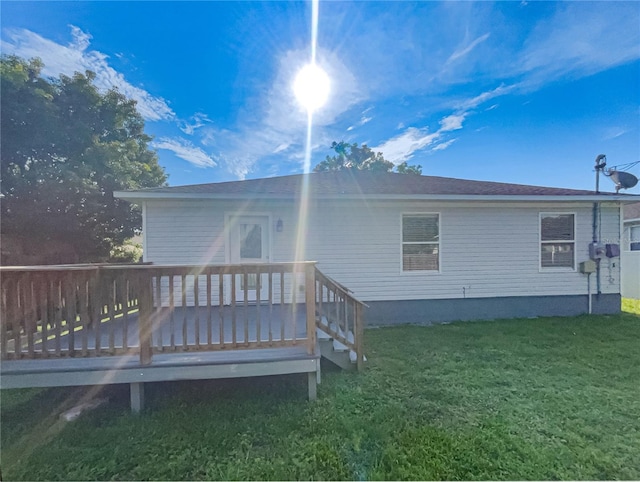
[(416, 249)]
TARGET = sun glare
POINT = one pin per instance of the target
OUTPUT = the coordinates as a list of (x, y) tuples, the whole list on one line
[(311, 87)]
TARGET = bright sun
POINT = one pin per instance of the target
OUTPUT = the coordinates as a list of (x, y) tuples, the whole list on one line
[(311, 87)]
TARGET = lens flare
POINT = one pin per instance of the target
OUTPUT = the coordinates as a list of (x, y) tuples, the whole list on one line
[(311, 87)]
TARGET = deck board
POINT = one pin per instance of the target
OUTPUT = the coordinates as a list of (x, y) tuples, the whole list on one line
[(287, 319)]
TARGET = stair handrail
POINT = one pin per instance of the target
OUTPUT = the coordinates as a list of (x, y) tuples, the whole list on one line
[(338, 317)]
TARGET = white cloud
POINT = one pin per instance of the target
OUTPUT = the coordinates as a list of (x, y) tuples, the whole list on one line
[(185, 150), (580, 39), (401, 147), (479, 99), (443, 145), (613, 132), (195, 122), (363, 120), (468, 48), (452, 122), (282, 147), (76, 57)]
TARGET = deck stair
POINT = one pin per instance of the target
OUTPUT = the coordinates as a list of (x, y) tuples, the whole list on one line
[(339, 320), (334, 350)]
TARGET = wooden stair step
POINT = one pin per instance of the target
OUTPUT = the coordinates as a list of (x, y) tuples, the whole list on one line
[(353, 357), (322, 335)]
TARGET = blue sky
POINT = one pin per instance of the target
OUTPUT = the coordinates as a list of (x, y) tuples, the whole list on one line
[(525, 92)]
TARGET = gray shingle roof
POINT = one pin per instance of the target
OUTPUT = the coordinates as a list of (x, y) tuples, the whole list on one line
[(367, 183)]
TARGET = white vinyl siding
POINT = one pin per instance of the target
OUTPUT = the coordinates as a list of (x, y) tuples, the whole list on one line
[(487, 249), (194, 233), (557, 241), (420, 242)]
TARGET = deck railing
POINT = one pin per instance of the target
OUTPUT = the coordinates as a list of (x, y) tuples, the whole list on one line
[(42, 306), (58, 311), (340, 314)]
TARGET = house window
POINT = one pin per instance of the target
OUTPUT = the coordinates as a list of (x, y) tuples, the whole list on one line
[(634, 238), (557, 240), (420, 242)]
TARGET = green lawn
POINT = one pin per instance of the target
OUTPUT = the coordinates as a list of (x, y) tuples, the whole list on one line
[(631, 306), (551, 398)]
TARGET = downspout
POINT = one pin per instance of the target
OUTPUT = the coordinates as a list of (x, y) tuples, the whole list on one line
[(145, 256), (596, 209), (589, 292), (601, 162)]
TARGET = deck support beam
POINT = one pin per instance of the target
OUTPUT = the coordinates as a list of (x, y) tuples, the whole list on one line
[(313, 385), (137, 397)]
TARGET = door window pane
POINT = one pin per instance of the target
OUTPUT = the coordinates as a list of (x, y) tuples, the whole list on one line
[(250, 241)]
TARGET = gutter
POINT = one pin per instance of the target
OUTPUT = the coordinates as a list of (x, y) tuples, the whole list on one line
[(135, 196)]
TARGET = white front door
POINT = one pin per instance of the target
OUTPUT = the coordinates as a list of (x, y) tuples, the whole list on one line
[(249, 244)]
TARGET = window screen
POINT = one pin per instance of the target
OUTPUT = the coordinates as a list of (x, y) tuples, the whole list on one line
[(420, 242), (557, 240)]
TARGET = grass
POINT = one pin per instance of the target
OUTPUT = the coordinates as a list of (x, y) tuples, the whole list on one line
[(630, 305), (555, 398)]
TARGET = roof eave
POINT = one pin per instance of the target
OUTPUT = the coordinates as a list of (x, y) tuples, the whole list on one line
[(140, 196)]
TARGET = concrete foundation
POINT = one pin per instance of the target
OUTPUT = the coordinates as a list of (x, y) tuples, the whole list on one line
[(383, 313)]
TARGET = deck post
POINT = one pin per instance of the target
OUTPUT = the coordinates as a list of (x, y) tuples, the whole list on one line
[(145, 306), (310, 303), (359, 334), (137, 396), (313, 385)]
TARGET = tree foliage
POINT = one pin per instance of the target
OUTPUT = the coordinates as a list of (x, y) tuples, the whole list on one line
[(350, 156), (405, 168), (66, 147)]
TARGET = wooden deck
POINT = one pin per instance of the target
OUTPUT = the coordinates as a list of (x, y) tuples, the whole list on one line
[(182, 328), (88, 325)]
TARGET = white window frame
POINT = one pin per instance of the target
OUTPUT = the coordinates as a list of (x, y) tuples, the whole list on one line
[(414, 272), (629, 240), (565, 269)]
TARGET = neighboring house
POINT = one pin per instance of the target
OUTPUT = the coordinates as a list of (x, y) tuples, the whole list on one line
[(631, 251), (414, 248)]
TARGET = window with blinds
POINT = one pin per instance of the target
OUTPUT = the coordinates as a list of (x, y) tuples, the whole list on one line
[(557, 240), (420, 242), (634, 238)]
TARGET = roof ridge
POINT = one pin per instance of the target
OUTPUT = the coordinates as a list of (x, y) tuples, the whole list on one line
[(366, 183)]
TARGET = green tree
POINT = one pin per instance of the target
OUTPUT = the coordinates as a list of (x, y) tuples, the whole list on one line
[(66, 147), (350, 156), (405, 168)]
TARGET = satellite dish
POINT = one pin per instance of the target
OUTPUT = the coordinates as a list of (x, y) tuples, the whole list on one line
[(622, 179)]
